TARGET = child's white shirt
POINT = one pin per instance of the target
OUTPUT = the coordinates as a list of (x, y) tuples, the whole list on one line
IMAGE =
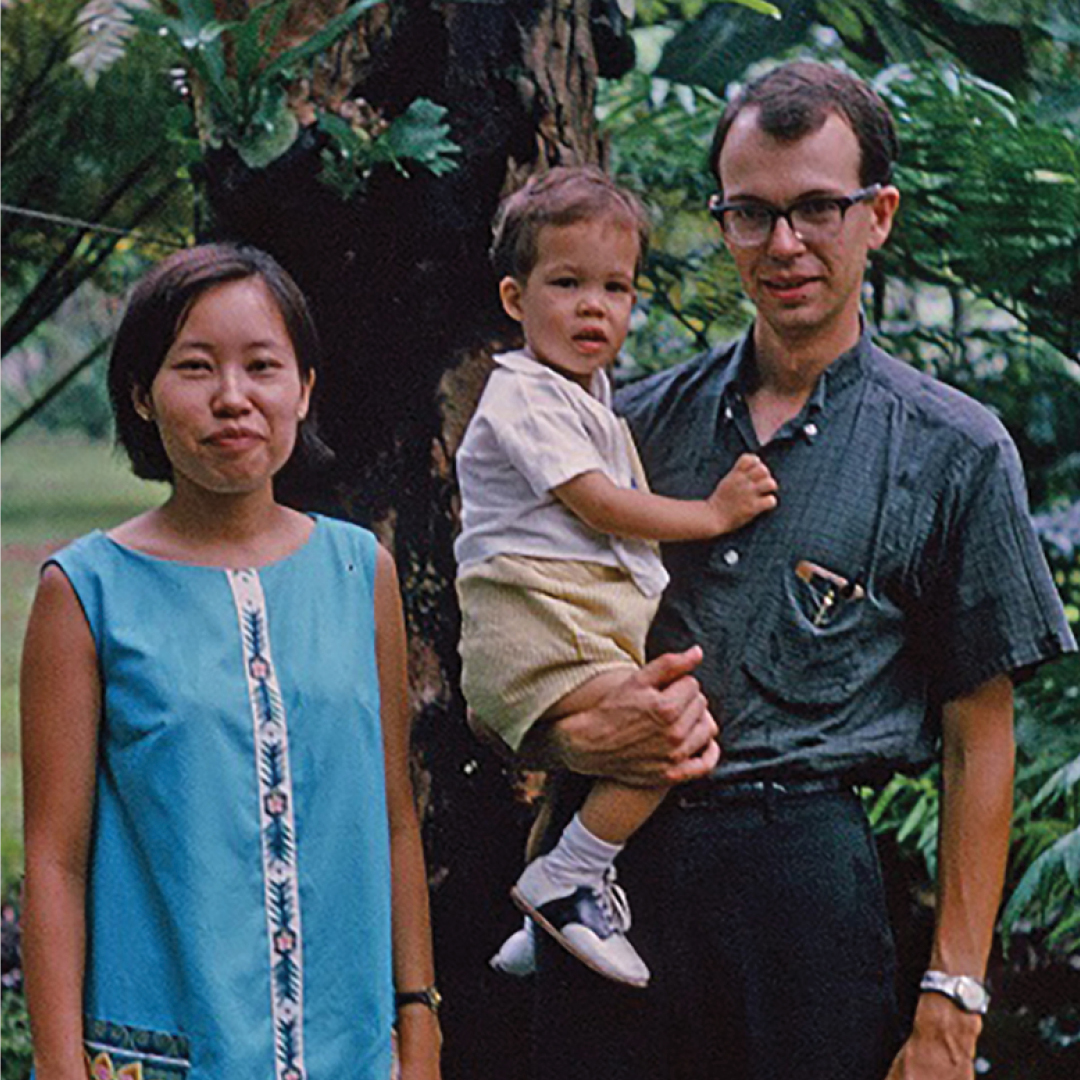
[(532, 431)]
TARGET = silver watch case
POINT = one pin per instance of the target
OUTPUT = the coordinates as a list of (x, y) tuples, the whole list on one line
[(967, 993)]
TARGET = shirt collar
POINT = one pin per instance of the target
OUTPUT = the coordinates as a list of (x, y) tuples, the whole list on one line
[(520, 361)]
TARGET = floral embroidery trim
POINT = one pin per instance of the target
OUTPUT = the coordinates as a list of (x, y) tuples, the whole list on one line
[(119, 1052), (280, 874)]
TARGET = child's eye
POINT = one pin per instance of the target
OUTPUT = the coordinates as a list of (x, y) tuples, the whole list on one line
[(618, 287), (564, 282)]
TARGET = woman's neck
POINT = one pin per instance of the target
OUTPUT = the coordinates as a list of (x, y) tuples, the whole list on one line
[(202, 527)]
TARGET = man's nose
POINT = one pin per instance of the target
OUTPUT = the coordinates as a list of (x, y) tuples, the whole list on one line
[(784, 241)]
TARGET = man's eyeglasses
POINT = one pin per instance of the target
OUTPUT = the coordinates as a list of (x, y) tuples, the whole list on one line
[(748, 224)]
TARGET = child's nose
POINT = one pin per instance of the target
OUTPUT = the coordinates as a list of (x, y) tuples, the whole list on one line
[(592, 300)]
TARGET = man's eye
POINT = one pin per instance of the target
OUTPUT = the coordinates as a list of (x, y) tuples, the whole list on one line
[(816, 209), (751, 215)]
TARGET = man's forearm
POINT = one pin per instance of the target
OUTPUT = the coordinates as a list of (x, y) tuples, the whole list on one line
[(978, 757)]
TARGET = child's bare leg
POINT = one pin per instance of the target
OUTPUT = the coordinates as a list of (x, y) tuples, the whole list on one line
[(570, 891), (612, 812)]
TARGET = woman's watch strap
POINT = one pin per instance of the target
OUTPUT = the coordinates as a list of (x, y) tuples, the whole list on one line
[(429, 997)]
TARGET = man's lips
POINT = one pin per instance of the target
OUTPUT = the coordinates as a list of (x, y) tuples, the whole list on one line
[(785, 287)]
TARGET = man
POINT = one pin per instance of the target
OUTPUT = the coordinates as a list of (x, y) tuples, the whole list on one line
[(874, 620)]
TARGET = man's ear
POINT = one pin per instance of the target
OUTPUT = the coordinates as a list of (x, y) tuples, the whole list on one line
[(510, 293), (883, 208)]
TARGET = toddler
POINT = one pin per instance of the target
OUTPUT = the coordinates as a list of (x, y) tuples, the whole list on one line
[(559, 572)]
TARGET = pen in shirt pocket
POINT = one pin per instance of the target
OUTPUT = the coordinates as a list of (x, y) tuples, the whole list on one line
[(828, 586)]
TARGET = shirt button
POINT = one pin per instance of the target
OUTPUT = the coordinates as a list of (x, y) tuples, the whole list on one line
[(810, 430), (728, 413), (731, 556)]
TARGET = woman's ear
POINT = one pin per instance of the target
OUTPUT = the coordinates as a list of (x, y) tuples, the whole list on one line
[(144, 408), (510, 292), (307, 385)]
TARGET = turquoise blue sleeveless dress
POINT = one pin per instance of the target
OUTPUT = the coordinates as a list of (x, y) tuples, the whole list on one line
[(239, 884)]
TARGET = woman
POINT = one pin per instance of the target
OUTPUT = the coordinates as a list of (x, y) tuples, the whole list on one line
[(224, 872)]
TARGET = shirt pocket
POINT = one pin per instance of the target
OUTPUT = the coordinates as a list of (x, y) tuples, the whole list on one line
[(825, 638)]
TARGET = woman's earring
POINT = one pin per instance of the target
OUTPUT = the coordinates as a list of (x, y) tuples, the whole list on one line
[(144, 413)]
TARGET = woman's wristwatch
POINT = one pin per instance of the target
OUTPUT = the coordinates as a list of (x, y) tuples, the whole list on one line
[(429, 997), (962, 990)]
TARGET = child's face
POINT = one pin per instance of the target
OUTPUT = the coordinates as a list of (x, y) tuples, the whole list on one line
[(575, 306), (229, 395)]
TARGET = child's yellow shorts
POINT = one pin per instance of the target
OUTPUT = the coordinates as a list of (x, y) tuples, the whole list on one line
[(533, 630)]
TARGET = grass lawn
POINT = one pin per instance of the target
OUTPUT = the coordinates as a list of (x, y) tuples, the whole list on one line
[(53, 491)]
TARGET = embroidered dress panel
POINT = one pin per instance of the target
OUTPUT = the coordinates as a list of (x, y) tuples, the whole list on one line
[(283, 926), (239, 786)]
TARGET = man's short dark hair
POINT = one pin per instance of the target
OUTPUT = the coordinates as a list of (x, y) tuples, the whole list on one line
[(794, 100), (157, 309), (561, 196)]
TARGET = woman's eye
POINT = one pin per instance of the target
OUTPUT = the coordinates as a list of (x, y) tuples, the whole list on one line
[(191, 363)]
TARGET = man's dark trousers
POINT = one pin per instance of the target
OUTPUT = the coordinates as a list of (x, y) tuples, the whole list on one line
[(762, 916)]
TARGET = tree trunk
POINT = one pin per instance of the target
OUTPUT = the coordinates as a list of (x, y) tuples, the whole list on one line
[(407, 308)]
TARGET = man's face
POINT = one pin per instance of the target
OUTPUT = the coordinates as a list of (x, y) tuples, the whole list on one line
[(806, 293)]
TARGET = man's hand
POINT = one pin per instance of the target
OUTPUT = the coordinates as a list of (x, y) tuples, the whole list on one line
[(941, 1045), (653, 728)]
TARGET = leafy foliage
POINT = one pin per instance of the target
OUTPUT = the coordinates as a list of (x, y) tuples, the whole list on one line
[(245, 103), (992, 198), (80, 152)]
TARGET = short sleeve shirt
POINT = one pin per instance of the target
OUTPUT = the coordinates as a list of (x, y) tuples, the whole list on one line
[(900, 569), (533, 431)]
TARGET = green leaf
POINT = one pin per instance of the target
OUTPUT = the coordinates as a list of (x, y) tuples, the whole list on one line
[(1054, 872), (273, 129), (725, 39), (419, 135)]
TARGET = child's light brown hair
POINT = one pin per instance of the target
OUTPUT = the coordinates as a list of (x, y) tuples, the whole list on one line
[(562, 196)]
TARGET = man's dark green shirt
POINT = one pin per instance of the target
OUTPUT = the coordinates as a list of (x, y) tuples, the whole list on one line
[(900, 569)]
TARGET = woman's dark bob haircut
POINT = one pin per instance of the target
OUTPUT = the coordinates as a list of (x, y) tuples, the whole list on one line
[(155, 313)]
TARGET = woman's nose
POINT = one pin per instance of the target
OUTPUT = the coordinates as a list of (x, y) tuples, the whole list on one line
[(230, 393)]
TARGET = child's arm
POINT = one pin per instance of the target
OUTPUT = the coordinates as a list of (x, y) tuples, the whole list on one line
[(746, 491), (419, 1039)]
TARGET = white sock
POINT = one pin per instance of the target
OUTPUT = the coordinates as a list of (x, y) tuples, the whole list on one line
[(580, 858)]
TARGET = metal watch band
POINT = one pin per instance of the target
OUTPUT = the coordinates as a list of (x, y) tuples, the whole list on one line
[(965, 992)]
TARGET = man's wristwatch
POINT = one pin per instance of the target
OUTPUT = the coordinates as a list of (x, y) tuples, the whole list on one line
[(429, 997), (965, 992)]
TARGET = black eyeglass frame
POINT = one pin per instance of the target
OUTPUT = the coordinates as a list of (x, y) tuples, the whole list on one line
[(718, 208)]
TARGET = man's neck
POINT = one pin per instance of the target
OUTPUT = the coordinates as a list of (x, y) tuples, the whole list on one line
[(787, 371)]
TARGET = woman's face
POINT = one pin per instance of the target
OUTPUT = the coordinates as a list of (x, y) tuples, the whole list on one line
[(229, 396)]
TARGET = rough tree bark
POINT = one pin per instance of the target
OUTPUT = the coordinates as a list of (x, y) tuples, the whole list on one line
[(407, 309)]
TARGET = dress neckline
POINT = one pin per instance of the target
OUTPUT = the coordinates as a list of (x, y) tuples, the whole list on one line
[(160, 559)]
